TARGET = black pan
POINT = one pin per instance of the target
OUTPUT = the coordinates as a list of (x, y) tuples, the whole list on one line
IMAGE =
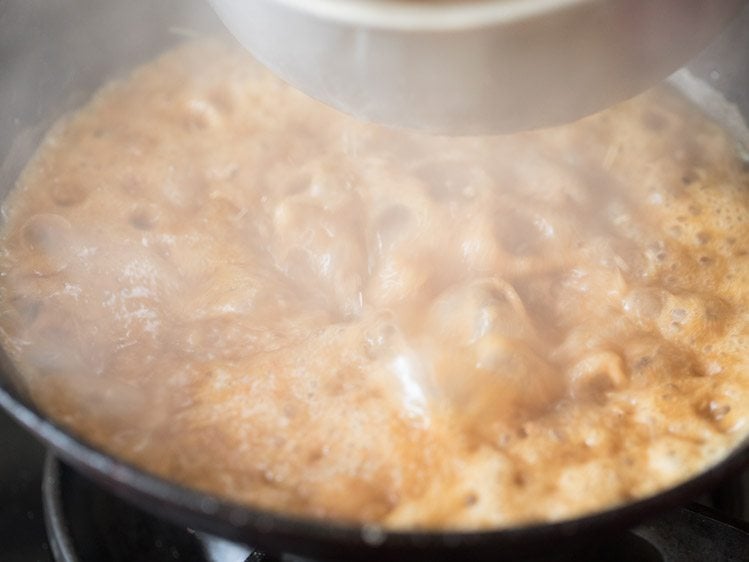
[(53, 55)]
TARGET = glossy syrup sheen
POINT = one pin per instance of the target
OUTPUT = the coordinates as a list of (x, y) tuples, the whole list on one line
[(235, 287)]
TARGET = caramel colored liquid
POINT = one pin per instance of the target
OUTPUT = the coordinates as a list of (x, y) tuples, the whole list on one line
[(235, 287)]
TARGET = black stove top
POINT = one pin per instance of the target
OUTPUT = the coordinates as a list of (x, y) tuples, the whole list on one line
[(22, 533), (52, 514)]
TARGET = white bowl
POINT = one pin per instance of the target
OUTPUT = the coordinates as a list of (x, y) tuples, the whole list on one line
[(473, 66)]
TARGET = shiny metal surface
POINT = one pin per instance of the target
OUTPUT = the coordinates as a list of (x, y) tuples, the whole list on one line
[(474, 66)]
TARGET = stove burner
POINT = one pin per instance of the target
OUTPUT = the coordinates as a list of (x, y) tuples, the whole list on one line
[(86, 523)]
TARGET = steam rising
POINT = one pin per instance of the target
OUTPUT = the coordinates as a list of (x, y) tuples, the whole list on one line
[(218, 278)]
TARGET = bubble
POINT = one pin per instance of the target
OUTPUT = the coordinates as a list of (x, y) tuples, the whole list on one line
[(145, 216), (392, 226), (470, 311), (68, 193), (186, 189), (651, 359), (202, 114), (644, 304), (519, 480), (381, 338), (595, 375), (25, 307), (43, 231), (678, 315), (48, 238), (714, 410), (713, 368), (523, 235), (222, 99), (703, 237)]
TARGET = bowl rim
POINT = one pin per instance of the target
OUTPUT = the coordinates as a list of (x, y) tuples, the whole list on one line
[(427, 15)]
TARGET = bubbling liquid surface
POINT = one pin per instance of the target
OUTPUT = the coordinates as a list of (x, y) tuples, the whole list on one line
[(237, 288)]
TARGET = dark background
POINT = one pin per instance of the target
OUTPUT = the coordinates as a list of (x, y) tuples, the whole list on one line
[(22, 534)]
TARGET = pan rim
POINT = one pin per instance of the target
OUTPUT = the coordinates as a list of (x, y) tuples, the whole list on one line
[(243, 522)]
